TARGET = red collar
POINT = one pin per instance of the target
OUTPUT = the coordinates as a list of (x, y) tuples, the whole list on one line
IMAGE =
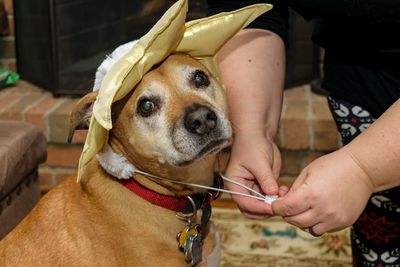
[(177, 204)]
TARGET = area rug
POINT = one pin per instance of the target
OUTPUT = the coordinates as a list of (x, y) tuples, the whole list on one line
[(274, 243)]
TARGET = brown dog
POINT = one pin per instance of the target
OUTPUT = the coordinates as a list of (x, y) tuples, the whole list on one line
[(172, 125)]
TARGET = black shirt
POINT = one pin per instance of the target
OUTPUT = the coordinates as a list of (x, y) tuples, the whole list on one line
[(361, 40)]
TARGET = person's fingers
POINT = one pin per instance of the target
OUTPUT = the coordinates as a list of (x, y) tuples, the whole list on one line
[(255, 216), (300, 180), (283, 190), (246, 204), (317, 229), (257, 188), (303, 220), (252, 206), (293, 203), (266, 180), (259, 173), (261, 169)]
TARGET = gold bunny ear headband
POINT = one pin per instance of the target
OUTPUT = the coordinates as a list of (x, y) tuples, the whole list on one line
[(200, 39)]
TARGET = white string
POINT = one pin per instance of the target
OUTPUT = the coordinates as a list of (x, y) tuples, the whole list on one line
[(241, 185), (267, 199)]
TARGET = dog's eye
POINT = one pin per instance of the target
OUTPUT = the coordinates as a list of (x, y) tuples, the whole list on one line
[(146, 107), (200, 79)]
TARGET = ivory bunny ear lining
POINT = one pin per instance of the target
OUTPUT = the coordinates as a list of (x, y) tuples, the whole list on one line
[(200, 39)]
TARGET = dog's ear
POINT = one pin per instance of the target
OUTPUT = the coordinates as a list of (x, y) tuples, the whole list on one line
[(81, 114)]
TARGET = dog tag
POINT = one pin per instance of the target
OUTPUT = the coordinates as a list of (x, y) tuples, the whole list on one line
[(190, 242), (193, 249), (186, 233)]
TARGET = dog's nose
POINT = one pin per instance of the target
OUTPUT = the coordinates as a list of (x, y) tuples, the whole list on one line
[(200, 120)]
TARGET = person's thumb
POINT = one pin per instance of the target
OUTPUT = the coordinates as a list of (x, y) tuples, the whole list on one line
[(276, 161), (294, 202), (266, 179)]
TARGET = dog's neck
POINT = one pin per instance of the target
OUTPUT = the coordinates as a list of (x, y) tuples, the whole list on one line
[(117, 165)]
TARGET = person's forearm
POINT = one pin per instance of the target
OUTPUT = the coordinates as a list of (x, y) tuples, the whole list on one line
[(253, 68), (377, 150)]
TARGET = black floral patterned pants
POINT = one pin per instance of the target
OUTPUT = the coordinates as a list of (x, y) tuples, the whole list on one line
[(375, 236)]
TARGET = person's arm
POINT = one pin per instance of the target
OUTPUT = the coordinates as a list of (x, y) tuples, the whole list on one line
[(377, 150), (253, 67), (331, 192)]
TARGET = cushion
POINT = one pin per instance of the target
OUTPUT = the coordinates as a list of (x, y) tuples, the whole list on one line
[(22, 149), (17, 204)]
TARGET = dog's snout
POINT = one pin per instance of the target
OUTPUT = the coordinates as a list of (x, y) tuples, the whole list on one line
[(200, 120)]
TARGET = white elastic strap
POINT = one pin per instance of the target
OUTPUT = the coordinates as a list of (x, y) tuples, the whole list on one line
[(267, 199), (241, 185)]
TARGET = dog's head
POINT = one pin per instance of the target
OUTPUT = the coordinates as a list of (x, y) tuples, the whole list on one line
[(177, 113), (176, 116)]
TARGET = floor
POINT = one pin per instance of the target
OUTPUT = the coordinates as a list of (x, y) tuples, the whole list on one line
[(274, 243)]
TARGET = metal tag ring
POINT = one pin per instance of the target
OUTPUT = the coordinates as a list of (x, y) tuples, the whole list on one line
[(188, 216)]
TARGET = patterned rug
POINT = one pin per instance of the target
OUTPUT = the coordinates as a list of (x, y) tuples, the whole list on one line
[(274, 243)]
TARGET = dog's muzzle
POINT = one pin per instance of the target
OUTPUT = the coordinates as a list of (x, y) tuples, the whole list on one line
[(200, 120), (202, 131)]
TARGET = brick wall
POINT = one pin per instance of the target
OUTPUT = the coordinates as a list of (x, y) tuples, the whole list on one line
[(306, 129), (7, 42)]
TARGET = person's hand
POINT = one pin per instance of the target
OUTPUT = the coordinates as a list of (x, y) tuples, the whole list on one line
[(255, 162), (329, 194)]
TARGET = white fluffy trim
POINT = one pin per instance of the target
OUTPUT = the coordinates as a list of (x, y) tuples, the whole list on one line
[(115, 164), (110, 60)]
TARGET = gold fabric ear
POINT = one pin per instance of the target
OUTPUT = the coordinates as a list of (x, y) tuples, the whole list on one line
[(200, 38)]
